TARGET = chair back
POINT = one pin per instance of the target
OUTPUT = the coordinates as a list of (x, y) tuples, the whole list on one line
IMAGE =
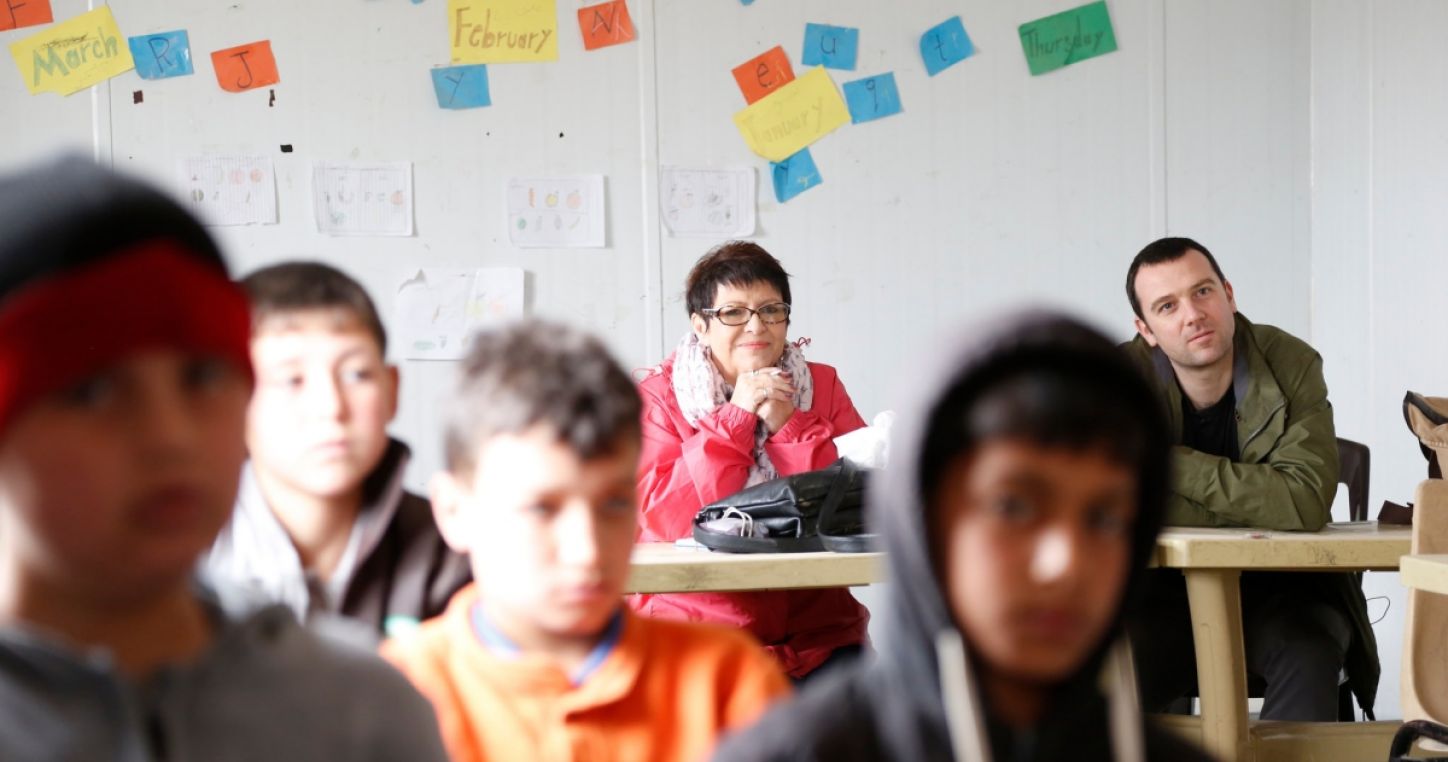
[(1354, 461)]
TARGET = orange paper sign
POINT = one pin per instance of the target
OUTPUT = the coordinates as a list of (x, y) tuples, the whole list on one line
[(763, 74), (603, 25), (17, 13), (245, 67)]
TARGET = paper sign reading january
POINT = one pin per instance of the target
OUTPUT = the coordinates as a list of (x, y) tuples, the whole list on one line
[(502, 31), (794, 116), (73, 55)]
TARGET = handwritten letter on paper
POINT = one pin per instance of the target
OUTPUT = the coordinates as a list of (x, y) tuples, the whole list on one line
[(605, 24), (708, 203), (439, 308), (763, 74), (793, 116), (563, 212), (73, 55), (502, 31), (161, 55), (245, 67), (230, 190), (362, 199)]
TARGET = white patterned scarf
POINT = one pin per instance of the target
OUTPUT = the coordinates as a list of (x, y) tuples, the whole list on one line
[(700, 388)]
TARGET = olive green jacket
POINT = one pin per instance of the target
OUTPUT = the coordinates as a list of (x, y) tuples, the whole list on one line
[(1286, 478)]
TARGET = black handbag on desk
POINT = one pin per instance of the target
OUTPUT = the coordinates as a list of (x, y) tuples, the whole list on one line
[(812, 511)]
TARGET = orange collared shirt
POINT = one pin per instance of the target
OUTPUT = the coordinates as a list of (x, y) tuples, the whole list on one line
[(667, 691)]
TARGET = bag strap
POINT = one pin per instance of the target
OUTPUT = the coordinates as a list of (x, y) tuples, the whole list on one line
[(836, 495)]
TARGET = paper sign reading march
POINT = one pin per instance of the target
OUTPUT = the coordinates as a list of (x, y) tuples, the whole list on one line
[(502, 31), (793, 116), (73, 55)]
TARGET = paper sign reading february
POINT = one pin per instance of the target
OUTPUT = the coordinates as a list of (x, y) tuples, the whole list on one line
[(73, 55), (1067, 37), (502, 31), (793, 116)]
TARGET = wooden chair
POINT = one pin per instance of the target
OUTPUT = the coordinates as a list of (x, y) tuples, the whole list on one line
[(1425, 661)]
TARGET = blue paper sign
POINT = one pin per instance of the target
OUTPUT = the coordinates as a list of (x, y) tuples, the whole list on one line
[(161, 55), (460, 87), (794, 175), (945, 45), (833, 47), (872, 97)]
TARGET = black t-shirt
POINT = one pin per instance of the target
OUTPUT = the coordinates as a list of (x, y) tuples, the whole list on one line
[(1212, 430)]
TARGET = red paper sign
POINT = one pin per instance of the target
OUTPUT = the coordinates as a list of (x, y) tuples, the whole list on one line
[(245, 67), (603, 25), (763, 74), (17, 13)]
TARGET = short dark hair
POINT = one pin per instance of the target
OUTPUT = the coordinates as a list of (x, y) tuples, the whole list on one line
[(292, 287), (534, 372), (734, 263), (1164, 250)]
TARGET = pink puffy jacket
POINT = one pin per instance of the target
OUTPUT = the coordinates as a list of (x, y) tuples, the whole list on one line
[(681, 469)]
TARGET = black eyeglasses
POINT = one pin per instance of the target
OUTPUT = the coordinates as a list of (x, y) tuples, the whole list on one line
[(732, 315)]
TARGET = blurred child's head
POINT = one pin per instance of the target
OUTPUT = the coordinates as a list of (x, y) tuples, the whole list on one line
[(317, 425), (1043, 471), (542, 441), (124, 377)]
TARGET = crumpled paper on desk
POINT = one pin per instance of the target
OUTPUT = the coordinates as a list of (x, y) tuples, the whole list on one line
[(868, 447)]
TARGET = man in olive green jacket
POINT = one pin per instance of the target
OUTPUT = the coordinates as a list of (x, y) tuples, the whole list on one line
[(1255, 448)]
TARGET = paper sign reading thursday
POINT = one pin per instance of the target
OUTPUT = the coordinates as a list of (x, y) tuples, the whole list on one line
[(73, 55), (502, 31), (793, 116), (1067, 37)]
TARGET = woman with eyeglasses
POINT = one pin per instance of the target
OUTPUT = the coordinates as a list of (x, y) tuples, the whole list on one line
[(735, 405)]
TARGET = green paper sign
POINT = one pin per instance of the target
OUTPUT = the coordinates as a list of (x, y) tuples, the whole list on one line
[(1067, 37)]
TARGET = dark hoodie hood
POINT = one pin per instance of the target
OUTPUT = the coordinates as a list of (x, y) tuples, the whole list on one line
[(915, 612)]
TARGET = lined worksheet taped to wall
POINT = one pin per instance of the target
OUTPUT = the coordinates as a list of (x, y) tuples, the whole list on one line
[(351, 198), (556, 212), (708, 203), (230, 190)]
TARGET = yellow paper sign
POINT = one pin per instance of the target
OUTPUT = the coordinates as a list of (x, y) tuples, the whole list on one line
[(787, 120), (502, 31), (74, 55)]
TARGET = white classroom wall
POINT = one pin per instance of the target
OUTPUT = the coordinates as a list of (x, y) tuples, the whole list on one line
[(1300, 139)]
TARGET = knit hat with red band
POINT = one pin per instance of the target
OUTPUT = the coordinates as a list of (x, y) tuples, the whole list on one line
[(95, 267)]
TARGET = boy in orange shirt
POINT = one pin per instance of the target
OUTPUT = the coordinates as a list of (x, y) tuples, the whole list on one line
[(540, 659)]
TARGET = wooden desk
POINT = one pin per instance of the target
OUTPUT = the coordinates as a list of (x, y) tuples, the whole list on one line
[(662, 567), (1212, 561), (1426, 572)]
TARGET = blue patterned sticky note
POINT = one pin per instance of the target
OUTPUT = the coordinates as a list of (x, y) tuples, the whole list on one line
[(872, 97), (945, 45), (460, 87), (794, 175), (161, 55), (833, 47)]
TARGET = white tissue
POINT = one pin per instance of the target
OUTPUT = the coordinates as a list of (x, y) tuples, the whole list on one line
[(868, 447)]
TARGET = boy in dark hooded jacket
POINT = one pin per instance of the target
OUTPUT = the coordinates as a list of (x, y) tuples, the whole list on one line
[(1019, 512)]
